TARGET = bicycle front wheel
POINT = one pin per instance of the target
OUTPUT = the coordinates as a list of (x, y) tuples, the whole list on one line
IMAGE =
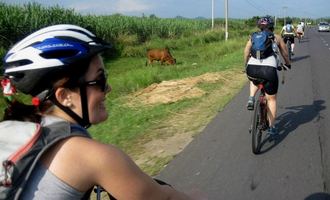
[(256, 129)]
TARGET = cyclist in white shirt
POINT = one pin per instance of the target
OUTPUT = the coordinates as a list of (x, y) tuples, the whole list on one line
[(288, 33), (300, 30)]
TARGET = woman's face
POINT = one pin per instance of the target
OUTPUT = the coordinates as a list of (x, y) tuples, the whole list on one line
[(96, 89)]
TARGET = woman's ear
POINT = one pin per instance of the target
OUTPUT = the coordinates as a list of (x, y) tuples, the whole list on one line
[(64, 96)]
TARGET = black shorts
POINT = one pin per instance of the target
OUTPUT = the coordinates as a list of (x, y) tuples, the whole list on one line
[(267, 73), (288, 37)]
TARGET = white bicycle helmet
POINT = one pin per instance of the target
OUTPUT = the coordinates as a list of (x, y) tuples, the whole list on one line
[(31, 63), (52, 52)]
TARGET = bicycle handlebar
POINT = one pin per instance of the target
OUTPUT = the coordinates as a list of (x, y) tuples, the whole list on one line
[(98, 190), (284, 67)]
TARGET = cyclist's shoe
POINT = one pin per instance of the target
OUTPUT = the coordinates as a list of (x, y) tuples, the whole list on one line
[(250, 103), (272, 132)]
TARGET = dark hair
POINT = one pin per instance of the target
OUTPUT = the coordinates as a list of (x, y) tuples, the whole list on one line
[(21, 112)]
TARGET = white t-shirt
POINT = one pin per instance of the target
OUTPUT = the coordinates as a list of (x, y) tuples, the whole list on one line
[(270, 61), (300, 28)]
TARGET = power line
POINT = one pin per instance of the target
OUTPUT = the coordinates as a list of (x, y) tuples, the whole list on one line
[(258, 8)]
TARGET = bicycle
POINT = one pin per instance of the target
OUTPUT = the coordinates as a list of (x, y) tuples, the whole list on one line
[(99, 190), (288, 44), (259, 121)]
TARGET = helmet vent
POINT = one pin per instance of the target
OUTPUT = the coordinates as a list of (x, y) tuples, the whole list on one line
[(18, 63), (60, 54)]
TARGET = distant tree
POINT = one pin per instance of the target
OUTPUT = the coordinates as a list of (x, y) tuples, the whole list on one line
[(117, 14), (153, 16), (179, 17), (200, 17)]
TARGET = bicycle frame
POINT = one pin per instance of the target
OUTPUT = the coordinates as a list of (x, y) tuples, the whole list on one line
[(263, 109), (288, 45)]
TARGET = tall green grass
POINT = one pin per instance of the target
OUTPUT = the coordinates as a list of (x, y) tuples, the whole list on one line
[(196, 48), (17, 21)]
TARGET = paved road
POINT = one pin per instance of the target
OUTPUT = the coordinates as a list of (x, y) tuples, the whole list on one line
[(219, 163)]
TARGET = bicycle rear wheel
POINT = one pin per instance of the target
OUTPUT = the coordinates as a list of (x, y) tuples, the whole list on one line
[(288, 45), (256, 129)]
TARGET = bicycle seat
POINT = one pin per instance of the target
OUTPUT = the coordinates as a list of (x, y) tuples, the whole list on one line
[(258, 81)]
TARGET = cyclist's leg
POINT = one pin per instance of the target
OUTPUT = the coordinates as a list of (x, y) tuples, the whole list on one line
[(292, 44), (251, 72), (271, 88), (251, 99), (299, 36), (253, 89), (271, 109)]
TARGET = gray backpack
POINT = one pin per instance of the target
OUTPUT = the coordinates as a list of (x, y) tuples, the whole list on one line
[(21, 146)]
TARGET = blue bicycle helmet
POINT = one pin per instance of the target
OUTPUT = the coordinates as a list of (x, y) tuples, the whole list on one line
[(265, 22), (31, 63)]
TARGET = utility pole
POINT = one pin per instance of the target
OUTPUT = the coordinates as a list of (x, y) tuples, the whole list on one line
[(284, 14), (212, 14), (226, 15)]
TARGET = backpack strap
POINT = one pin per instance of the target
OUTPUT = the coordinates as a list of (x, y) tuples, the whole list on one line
[(51, 134)]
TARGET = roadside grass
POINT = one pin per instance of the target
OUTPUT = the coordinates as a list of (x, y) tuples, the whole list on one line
[(127, 75)]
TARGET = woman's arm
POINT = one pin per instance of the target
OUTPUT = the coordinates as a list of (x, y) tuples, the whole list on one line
[(283, 49), (247, 50), (122, 178)]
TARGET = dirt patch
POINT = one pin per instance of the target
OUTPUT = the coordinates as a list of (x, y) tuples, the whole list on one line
[(176, 90), (170, 136)]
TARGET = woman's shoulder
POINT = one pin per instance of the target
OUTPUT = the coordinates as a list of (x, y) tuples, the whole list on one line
[(87, 145), (81, 160), (95, 152)]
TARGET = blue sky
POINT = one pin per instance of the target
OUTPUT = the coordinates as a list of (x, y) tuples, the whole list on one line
[(194, 8)]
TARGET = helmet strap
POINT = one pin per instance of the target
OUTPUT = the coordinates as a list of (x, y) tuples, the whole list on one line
[(82, 121), (84, 106)]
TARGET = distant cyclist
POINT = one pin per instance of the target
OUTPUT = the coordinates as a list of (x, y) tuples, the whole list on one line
[(300, 30), (265, 67), (288, 33)]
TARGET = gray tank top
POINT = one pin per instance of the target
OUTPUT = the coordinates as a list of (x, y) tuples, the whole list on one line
[(45, 185)]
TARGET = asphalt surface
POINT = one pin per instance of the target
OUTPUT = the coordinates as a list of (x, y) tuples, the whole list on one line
[(219, 163)]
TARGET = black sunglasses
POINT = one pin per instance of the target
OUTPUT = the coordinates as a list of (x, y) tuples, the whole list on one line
[(101, 82)]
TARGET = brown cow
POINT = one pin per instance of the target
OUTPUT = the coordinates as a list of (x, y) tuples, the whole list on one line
[(162, 55)]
